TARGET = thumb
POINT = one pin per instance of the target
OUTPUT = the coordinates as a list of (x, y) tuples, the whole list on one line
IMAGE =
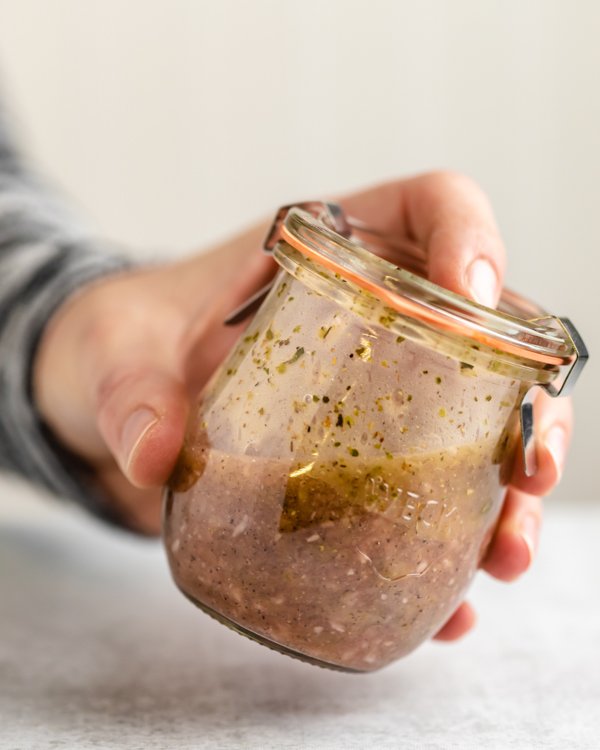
[(449, 216), (454, 219), (141, 415)]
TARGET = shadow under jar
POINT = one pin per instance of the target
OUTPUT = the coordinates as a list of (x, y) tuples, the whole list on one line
[(343, 471)]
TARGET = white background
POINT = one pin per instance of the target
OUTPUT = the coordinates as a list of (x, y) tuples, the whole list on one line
[(175, 122), (98, 650)]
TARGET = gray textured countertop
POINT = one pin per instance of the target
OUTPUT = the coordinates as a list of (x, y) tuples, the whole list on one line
[(98, 650)]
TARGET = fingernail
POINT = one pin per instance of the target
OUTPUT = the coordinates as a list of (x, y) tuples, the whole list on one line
[(483, 282), (555, 441), (530, 528), (136, 426)]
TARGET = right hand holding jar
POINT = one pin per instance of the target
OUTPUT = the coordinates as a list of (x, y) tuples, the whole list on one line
[(344, 469)]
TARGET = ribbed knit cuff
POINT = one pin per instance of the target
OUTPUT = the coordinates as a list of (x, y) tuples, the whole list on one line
[(27, 446)]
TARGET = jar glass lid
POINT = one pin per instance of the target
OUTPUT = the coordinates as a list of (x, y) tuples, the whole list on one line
[(331, 251), (323, 234)]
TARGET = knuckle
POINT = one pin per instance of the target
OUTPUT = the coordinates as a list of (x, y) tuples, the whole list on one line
[(468, 198), (568, 412), (456, 181), (119, 379), (550, 411), (533, 505)]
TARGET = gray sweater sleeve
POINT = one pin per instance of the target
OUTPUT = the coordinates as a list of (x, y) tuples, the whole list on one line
[(45, 255)]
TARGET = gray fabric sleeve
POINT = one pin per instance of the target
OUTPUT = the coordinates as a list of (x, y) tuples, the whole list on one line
[(45, 255)]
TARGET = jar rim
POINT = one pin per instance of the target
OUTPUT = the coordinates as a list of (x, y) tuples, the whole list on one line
[(518, 330)]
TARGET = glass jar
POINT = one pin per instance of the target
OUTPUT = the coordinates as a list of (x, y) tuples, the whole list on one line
[(344, 469)]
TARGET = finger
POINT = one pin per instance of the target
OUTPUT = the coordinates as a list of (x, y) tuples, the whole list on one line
[(515, 541), (458, 625), (452, 216), (141, 413), (553, 425), (449, 215), (136, 508), (225, 276)]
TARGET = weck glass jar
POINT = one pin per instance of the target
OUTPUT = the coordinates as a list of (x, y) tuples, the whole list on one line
[(343, 471)]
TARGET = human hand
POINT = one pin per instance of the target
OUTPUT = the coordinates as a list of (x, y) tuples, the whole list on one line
[(120, 361), (449, 216)]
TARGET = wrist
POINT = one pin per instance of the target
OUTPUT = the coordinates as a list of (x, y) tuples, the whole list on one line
[(58, 380)]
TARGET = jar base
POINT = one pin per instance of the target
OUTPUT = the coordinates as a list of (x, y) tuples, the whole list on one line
[(273, 645)]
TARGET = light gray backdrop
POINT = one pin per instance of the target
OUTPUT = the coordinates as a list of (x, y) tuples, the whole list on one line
[(175, 122)]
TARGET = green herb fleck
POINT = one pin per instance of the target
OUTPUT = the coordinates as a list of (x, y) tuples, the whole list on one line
[(294, 358)]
